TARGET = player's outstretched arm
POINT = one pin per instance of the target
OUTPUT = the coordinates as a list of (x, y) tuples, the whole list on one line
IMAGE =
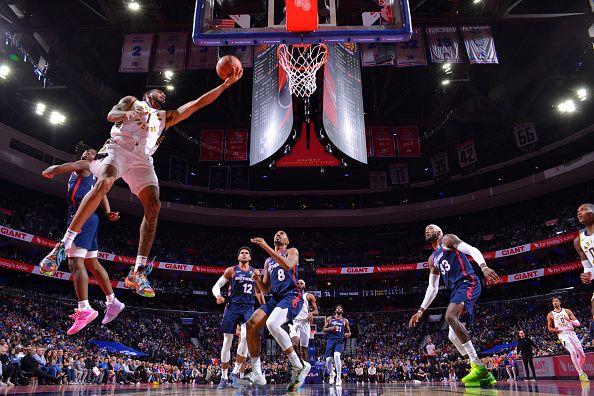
[(430, 294), (120, 112), (551, 324), (585, 276), (223, 280), (260, 296), (287, 263), (451, 241), (186, 110), (69, 167)]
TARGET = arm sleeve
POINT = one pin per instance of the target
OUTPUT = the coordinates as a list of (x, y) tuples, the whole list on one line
[(476, 254), (431, 292), (216, 289)]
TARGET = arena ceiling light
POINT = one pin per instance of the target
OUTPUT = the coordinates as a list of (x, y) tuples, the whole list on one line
[(168, 74), (476, 1), (40, 109), (567, 106), (4, 71), (134, 6), (170, 87), (447, 68), (56, 118), (582, 94), (445, 82)]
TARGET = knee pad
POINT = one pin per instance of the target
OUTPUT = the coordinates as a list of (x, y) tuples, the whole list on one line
[(226, 350)]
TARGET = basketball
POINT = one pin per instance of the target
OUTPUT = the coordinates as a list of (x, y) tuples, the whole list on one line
[(226, 64)]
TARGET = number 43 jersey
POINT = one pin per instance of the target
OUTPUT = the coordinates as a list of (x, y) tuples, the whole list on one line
[(453, 266), (243, 287), (282, 282)]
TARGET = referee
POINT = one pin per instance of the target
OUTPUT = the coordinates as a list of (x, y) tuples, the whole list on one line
[(525, 345)]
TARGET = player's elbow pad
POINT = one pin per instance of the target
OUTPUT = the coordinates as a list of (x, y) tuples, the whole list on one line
[(216, 289)]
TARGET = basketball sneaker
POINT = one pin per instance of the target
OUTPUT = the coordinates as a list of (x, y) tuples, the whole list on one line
[(478, 376), (50, 263), (139, 282), (338, 382), (584, 377), (331, 379), (112, 311), (254, 379), (223, 384), (234, 381), (81, 320), (298, 376)]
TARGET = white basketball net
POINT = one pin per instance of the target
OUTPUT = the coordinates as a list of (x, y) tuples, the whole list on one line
[(301, 62)]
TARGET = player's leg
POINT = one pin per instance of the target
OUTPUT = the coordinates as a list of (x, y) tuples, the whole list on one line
[(304, 330), (338, 365), (456, 341), (294, 335), (574, 346), (143, 182), (278, 317), (242, 352), (84, 314), (329, 360), (107, 175), (113, 305), (452, 318), (256, 323), (225, 357)]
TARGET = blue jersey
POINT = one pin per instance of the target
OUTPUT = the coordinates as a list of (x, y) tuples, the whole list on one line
[(453, 266), (339, 333), (78, 187), (282, 282), (242, 288)]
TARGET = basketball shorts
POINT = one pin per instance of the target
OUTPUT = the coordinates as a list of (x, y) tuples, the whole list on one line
[(292, 302), (467, 292), (570, 340), (334, 345), (136, 168), (301, 329), (235, 315), (85, 244)]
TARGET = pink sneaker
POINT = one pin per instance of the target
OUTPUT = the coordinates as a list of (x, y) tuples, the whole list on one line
[(112, 311), (81, 320)]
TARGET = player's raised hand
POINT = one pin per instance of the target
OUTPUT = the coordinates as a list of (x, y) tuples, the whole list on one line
[(414, 320), (490, 275), (256, 276), (220, 300), (235, 76), (113, 216), (259, 241), (586, 277), (49, 172)]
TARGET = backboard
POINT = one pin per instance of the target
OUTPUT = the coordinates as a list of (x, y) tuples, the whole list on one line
[(253, 22)]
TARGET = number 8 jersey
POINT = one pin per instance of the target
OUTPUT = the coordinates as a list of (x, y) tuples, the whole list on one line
[(282, 282), (243, 287), (453, 266)]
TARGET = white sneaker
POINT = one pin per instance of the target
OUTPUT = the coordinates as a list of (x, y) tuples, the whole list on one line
[(331, 380), (2, 384), (298, 376), (9, 383), (338, 381), (254, 379)]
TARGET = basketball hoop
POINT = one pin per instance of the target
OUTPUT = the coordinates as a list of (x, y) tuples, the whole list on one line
[(301, 62)]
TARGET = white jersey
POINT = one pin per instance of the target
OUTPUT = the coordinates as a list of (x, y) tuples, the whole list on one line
[(141, 134), (561, 320), (587, 244), (302, 316)]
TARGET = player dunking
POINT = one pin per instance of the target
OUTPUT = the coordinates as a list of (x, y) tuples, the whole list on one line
[(280, 278), (82, 256), (338, 330), (562, 321), (135, 136), (300, 329), (584, 244), (239, 309), (465, 288)]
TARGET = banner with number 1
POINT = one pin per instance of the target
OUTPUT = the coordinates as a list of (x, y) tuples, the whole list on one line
[(171, 51), (136, 53)]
